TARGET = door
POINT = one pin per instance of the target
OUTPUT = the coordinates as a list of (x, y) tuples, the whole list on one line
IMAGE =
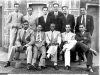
[(94, 11), (0, 26)]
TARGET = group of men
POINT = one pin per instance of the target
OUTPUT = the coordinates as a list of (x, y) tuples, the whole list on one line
[(46, 36)]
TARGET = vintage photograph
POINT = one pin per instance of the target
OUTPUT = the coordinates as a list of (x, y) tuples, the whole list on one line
[(49, 37)]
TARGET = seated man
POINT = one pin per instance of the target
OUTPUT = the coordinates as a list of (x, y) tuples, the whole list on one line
[(53, 40), (84, 41), (69, 41), (23, 42), (39, 47)]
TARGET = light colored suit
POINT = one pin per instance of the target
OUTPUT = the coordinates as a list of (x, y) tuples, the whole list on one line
[(53, 48), (70, 42), (32, 21), (39, 47), (14, 19), (29, 41)]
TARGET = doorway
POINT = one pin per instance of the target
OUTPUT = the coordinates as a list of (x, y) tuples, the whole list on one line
[(0, 26), (94, 11)]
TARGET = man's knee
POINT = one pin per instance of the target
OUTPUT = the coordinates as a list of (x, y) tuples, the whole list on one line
[(29, 48)]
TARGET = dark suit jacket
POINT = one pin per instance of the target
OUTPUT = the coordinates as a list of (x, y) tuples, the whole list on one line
[(67, 20), (80, 37), (56, 20), (45, 25), (89, 24)]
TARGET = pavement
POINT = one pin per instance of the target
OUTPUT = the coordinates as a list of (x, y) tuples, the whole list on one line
[(3, 59)]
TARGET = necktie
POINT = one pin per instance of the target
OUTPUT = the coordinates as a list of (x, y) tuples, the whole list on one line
[(38, 37), (83, 22), (24, 36)]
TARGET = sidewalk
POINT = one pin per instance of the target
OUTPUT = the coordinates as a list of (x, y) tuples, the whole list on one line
[(3, 59)]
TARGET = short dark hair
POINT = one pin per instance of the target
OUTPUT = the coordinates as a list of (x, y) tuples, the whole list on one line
[(53, 23), (16, 4), (55, 4), (45, 7), (25, 21), (65, 7), (29, 8), (83, 7)]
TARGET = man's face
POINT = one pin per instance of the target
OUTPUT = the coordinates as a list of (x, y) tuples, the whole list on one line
[(52, 27), (30, 11), (55, 7), (81, 28), (82, 11), (45, 11), (65, 10), (16, 8), (26, 25), (39, 28), (68, 28)]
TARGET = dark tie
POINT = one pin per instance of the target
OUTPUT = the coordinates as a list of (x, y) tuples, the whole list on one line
[(52, 36), (24, 36), (83, 22)]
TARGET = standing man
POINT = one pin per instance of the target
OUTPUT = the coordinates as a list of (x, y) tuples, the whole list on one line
[(84, 41), (23, 42), (67, 19), (30, 18), (39, 47), (14, 22), (86, 20), (69, 41), (53, 40), (44, 20), (55, 16)]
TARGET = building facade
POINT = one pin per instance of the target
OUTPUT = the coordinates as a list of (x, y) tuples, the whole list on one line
[(7, 6)]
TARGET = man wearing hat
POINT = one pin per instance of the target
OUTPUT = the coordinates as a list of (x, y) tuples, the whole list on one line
[(23, 42)]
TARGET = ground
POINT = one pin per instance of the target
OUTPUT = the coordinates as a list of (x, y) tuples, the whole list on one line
[(75, 68)]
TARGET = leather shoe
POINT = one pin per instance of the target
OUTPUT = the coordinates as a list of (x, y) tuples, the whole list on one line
[(34, 67), (39, 68), (89, 69), (67, 68), (56, 67), (29, 66), (7, 64)]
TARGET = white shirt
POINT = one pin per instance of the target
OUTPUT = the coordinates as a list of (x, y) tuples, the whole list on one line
[(82, 19), (68, 36), (45, 17), (56, 13)]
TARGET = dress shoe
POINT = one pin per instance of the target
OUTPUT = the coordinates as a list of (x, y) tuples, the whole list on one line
[(43, 67), (56, 67), (16, 58), (34, 67), (29, 66), (94, 52), (7, 64), (67, 68), (89, 69), (39, 68)]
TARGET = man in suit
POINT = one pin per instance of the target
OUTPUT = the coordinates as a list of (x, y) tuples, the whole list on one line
[(39, 47), (44, 20), (67, 19), (53, 40), (86, 20), (30, 18), (55, 16), (23, 42), (14, 22), (84, 41), (69, 41)]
